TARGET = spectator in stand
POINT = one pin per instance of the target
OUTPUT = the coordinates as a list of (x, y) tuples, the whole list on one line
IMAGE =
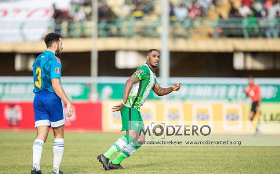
[(105, 13), (268, 3), (59, 16), (181, 12), (79, 14), (194, 11), (273, 13), (252, 22), (80, 8), (87, 2), (79, 18), (205, 5), (102, 12), (257, 9), (171, 12), (148, 6), (264, 8), (88, 9), (274, 9), (233, 13), (247, 2), (138, 11), (245, 11)]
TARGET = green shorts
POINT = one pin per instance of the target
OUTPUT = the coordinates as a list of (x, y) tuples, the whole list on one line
[(131, 119)]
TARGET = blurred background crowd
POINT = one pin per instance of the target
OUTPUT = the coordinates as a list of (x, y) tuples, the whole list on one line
[(260, 15), (179, 9)]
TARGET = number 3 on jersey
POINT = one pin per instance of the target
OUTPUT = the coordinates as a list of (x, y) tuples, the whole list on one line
[(39, 82)]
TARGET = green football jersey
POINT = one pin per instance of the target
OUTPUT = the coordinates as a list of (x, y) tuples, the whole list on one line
[(140, 90)]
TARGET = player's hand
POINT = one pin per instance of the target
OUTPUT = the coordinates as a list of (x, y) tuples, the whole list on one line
[(69, 110), (118, 107), (176, 87)]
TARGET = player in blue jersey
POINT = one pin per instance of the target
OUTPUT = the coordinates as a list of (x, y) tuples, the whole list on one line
[(48, 102)]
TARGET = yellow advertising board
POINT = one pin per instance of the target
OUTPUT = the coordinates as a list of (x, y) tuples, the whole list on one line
[(270, 118), (222, 118)]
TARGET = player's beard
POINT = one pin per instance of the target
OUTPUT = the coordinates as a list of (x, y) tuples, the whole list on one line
[(154, 66), (149, 62), (57, 52)]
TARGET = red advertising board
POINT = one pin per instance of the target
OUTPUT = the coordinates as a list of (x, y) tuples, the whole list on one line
[(20, 115)]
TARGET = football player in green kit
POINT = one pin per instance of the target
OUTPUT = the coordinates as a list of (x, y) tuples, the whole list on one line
[(136, 91)]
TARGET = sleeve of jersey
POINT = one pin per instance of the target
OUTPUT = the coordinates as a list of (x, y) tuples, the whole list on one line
[(140, 73), (55, 68)]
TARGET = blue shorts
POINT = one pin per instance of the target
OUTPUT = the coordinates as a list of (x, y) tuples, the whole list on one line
[(48, 109)]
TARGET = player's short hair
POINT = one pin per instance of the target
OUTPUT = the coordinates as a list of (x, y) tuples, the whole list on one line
[(51, 38), (151, 50), (250, 77)]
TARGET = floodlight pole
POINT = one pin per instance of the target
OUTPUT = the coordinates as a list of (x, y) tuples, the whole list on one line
[(164, 60), (94, 51)]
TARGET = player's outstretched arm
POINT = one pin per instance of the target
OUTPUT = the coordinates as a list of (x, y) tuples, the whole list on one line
[(60, 92), (246, 91), (164, 91), (129, 83)]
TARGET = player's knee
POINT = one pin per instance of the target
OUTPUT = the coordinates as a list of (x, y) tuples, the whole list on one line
[(133, 137), (42, 132), (141, 140), (42, 136)]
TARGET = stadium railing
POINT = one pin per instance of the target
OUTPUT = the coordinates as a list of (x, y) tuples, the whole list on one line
[(189, 28)]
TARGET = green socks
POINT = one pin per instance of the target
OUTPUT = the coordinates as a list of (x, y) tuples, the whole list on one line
[(129, 148), (127, 152), (110, 152), (119, 159), (119, 144)]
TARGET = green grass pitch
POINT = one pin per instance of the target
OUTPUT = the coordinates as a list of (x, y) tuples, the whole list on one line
[(81, 149)]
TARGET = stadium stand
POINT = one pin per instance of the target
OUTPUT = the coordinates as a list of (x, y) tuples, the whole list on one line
[(189, 18)]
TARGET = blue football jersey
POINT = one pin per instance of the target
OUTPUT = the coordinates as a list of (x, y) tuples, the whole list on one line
[(45, 68)]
